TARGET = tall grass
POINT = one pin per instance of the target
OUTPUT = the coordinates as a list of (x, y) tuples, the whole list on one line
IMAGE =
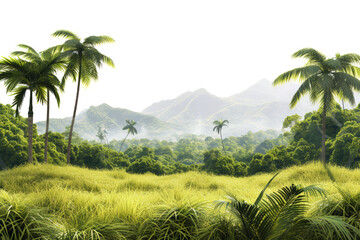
[(65, 202)]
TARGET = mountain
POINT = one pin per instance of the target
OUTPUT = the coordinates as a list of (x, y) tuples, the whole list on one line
[(113, 120), (263, 92), (259, 107), (187, 107)]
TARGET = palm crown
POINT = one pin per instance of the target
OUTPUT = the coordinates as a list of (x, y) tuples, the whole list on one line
[(130, 129), (219, 124), (324, 79), (84, 58), (21, 75)]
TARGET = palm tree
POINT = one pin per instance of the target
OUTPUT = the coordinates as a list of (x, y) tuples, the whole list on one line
[(53, 62), (324, 79), (283, 215), (84, 59), (218, 127), (101, 134), (130, 128), (104, 134), (19, 76)]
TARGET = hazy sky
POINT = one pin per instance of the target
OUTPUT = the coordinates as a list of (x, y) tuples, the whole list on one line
[(164, 48)]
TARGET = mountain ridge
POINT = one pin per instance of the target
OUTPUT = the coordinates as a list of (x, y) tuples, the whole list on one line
[(259, 107)]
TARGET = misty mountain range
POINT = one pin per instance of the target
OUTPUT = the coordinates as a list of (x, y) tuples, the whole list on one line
[(259, 107)]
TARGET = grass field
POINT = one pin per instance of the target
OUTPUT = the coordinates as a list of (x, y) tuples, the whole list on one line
[(77, 200)]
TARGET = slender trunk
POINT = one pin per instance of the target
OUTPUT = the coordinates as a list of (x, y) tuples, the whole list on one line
[(222, 142), (47, 127), (343, 105), (123, 141), (323, 139), (30, 128), (74, 114)]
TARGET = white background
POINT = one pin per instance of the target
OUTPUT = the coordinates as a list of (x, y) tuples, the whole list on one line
[(164, 48)]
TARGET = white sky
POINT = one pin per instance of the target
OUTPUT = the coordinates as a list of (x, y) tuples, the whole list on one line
[(164, 47)]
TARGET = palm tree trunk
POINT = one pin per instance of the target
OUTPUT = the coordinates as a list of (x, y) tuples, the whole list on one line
[(30, 128), (323, 137), (124, 140), (74, 114), (47, 127), (222, 142)]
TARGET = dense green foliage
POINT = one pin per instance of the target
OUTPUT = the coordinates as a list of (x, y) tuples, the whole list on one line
[(342, 143), (264, 151), (140, 156)]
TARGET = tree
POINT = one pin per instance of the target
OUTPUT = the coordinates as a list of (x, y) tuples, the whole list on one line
[(130, 129), (21, 75), (52, 62), (218, 128), (101, 134), (84, 59), (76, 139), (325, 80), (289, 121)]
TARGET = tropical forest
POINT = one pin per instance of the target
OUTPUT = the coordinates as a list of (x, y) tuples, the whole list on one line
[(285, 165)]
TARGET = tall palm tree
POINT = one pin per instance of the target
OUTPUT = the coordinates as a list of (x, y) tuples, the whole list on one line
[(219, 124), (52, 62), (130, 129), (283, 215), (19, 76), (84, 59), (325, 80)]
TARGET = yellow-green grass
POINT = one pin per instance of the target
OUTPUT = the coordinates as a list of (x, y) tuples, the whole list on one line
[(78, 195), (34, 179)]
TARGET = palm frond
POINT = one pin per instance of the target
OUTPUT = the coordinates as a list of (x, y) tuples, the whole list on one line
[(98, 40), (353, 82), (305, 87), (55, 92), (26, 55), (258, 199), (19, 95), (297, 74), (344, 91), (348, 59), (98, 58), (327, 99), (14, 79), (314, 191), (249, 216), (40, 93), (323, 227), (65, 34), (28, 48), (311, 54)]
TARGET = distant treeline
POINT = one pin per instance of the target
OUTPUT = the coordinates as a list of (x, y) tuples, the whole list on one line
[(263, 151)]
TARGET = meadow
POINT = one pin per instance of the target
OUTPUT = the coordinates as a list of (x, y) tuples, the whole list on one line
[(66, 202)]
